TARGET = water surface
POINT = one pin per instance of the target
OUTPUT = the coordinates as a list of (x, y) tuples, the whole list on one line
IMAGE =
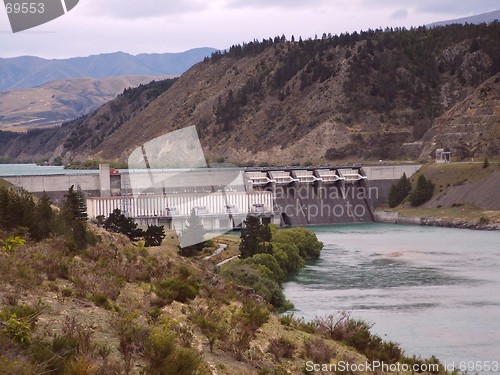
[(433, 290)]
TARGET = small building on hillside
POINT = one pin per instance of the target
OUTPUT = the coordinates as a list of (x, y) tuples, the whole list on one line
[(443, 156)]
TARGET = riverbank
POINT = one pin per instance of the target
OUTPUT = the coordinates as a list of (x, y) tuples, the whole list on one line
[(446, 218)]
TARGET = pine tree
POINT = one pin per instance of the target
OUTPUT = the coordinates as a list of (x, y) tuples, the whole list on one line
[(119, 223), (74, 207), (192, 238), (44, 216), (422, 192), (486, 163), (254, 236), (154, 235), (74, 215), (399, 191)]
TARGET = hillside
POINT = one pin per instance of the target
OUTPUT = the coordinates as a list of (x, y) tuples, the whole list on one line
[(59, 101), (77, 299), (470, 128), (48, 144), (31, 71), (466, 195), (357, 96)]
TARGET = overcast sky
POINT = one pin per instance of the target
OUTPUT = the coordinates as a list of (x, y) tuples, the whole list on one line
[(149, 26)]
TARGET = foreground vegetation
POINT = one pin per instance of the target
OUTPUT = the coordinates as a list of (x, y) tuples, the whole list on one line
[(117, 307)]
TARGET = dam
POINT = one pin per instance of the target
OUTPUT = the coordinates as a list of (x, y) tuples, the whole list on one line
[(223, 197)]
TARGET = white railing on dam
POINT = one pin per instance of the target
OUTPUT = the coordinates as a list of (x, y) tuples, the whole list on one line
[(171, 205)]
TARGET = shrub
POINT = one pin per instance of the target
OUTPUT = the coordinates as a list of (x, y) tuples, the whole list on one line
[(270, 263), (484, 220), (356, 333), (305, 240), (259, 278), (211, 322), (281, 348), (11, 243), (180, 288), (163, 356), (18, 329), (101, 300), (318, 351), (80, 366)]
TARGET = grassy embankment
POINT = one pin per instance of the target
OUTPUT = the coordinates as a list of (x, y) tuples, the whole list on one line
[(446, 176)]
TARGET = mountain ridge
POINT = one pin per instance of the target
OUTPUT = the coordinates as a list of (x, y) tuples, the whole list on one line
[(31, 71), (343, 98), (53, 103), (487, 17)]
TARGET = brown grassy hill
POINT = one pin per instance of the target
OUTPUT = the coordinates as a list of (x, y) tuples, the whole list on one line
[(55, 102), (348, 97)]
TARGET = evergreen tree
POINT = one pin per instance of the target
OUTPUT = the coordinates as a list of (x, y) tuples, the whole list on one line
[(399, 191), (192, 238), (44, 216), (486, 163), (74, 207), (119, 223), (422, 192), (254, 237), (154, 235), (74, 217)]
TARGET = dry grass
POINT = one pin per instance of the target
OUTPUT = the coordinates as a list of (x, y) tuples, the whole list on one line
[(444, 175), (465, 212)]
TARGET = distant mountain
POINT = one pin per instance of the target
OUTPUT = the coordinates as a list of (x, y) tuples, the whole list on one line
[(475, 20), (30, 71), (55, 102)]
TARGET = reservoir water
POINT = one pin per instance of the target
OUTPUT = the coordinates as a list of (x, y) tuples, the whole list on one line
[(436, 291)]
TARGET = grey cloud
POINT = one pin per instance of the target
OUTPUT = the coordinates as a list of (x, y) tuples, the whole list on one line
[(134, 9), (399, 14), (278, 3)]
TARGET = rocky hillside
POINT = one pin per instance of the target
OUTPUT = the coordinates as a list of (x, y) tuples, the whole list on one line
[(59, 101), (348, 97), (471, 127)]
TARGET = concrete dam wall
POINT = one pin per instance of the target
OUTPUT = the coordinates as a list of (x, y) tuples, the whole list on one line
[(287, 196)]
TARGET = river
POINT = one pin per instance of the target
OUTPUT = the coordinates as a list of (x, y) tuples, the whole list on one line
[(436, 291)]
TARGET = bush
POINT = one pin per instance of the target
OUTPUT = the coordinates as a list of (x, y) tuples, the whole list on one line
[(318, 351), (356, 333), (18, 329), (259, 278), (281, 348), (163, 356), (305, 240), (211, 322), (270, 263), (180, 288)]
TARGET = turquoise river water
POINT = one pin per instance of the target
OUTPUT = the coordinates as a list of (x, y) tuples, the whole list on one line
[(436, 291)]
